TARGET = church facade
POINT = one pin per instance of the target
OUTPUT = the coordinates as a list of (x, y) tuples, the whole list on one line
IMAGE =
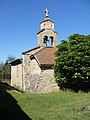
[(34, 71)]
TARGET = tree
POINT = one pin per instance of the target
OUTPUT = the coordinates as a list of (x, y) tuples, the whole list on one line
[(10, 59), (1, 71), (72, 67), (5, 69)]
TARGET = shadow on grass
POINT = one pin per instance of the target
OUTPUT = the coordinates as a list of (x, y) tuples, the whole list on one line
[(9, 108)]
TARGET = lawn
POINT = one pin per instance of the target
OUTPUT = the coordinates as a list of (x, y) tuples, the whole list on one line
[(63, 105)]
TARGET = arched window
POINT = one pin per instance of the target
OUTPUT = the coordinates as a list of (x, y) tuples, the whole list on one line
[(45, 41), (48, 42), (51, 41)]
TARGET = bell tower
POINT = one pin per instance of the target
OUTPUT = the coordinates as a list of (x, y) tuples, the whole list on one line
[(47, 36)]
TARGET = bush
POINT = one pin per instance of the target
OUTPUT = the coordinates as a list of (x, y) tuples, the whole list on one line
[(72, 67)]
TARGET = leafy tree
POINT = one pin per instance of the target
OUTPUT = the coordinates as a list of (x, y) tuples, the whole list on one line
[(5, 69), (72, 67)]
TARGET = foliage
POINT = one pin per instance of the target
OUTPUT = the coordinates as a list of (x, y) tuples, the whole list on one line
[(5, 69), (72, 67)]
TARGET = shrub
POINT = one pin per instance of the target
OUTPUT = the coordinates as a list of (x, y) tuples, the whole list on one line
[(72, 67)]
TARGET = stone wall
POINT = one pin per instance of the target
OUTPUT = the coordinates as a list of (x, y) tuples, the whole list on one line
[(26, 71), (30, 66), (30, 77), (16, 75), (43, 82), (37, 80)]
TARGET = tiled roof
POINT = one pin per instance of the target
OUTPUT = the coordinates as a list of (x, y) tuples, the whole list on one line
[(46, 56)]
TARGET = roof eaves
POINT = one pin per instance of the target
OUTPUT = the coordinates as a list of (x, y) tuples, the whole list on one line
[(18, 61), (47, 20), (40, 31), (30, 50), (47, 66), (39, 50)]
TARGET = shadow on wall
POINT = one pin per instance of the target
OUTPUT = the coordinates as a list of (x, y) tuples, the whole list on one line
[(9, 108)]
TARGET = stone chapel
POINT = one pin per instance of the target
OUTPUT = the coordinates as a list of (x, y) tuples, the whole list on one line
[(34, 72)]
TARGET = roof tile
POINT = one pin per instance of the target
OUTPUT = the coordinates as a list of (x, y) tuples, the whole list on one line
[(46, 56)]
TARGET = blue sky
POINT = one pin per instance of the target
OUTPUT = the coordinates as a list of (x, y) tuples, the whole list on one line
[(20, 22)]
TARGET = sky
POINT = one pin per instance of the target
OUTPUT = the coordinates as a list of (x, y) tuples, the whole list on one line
[(20, 22)]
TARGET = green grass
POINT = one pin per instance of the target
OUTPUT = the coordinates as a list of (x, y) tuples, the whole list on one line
[(63, 105)]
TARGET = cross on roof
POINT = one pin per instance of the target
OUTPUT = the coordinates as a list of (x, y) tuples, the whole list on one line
[(47, 12)]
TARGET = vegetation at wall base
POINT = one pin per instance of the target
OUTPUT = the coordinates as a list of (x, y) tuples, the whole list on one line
[(72, 67)]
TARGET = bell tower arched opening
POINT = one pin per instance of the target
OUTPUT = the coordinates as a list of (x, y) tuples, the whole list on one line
[(48, 41), (45, 41), (51, 41), (47, 36)]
